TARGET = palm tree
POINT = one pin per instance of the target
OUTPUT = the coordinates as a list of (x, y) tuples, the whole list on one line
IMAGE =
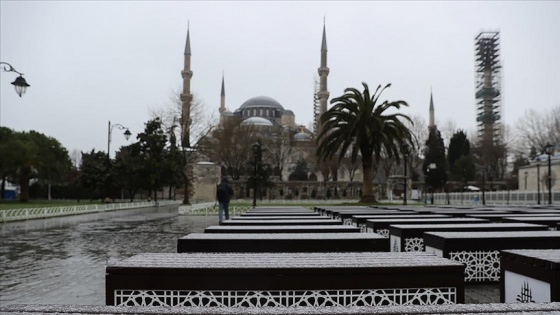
[(358, 123)]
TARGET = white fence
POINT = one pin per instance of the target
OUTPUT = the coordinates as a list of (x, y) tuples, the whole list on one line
[(498, 198), (48, 212)]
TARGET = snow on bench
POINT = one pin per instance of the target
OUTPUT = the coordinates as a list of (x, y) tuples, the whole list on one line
[(282, 229), (284, 279), (282, 242)]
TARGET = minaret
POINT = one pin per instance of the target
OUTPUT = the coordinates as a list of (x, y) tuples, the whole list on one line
[(222, 98), (186, 96), (431, 124), (323, 93)]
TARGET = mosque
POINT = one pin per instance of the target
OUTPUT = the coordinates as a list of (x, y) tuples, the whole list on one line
[(272, 119)]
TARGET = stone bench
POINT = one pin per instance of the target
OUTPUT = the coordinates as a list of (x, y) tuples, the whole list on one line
[(296, 214), (346, 216), (537, 210), (464, 213), (500, 217), (551, 221), (381, 226), (279, 208), (409, 238), (283, 242), (326, 210), (281, 222), (279, 217), (282, 229), (360, 220), (457, 309), (311, 309), (530, 276), (339, 214), (480, 251), (283, 279)]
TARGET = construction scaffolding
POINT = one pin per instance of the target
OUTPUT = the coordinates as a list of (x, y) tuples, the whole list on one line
[(488, 83), (316, 107)]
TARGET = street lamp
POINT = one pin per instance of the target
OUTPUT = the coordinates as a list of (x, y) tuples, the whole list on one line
[(19, 83), (431, 167), (548, 149), (257, 151), (405, 151), (110, 130), (483, 187), (538, 182)]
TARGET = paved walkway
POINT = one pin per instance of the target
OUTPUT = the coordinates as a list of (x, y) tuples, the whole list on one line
[(474, 294)]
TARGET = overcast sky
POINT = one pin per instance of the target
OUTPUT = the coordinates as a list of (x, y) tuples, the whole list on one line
[(91, 62)]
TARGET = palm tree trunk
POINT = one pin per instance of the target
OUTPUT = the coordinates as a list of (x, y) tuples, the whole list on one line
[(367, 186)]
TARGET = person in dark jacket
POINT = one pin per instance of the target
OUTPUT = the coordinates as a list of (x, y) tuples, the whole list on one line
[(223, 194)]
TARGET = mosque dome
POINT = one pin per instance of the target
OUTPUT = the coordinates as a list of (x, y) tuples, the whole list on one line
[(261, 102), (289, 112), (257, 121), (227, 113), (302, 136)]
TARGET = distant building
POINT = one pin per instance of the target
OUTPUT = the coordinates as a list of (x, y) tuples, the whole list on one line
[(534, 177)]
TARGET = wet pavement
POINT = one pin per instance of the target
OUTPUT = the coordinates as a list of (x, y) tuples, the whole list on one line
[(63, 260)]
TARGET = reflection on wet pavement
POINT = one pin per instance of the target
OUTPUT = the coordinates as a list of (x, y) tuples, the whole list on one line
[(63, 260)]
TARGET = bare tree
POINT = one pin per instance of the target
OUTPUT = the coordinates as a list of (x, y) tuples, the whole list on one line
[(279, 149), (387, 163), (536, 129), (76, 157), (352, 167), (419, 130), (448, 129), (230, 145), (170, 115)]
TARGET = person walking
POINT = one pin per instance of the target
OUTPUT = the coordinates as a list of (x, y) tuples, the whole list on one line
[(223, 194)]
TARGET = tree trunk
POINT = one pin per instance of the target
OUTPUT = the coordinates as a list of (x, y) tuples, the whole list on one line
[(25, 173), (367, 184), (3, 187), (186, 200)]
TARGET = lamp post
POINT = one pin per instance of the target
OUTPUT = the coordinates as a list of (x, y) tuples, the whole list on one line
[(538, 182), (405, 151), (483, 187), (548, 149), (431, 167), (257, 154), (110, 130), (19, 83)]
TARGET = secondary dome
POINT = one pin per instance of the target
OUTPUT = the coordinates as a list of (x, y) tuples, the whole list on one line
[(302, 136), (261, 102), (257, 121)]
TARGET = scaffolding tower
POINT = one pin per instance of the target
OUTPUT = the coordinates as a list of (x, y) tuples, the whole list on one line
[(316, 108), (488, 88)]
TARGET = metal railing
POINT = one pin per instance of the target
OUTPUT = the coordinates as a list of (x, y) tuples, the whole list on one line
[(498, 198), (48, 212)]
